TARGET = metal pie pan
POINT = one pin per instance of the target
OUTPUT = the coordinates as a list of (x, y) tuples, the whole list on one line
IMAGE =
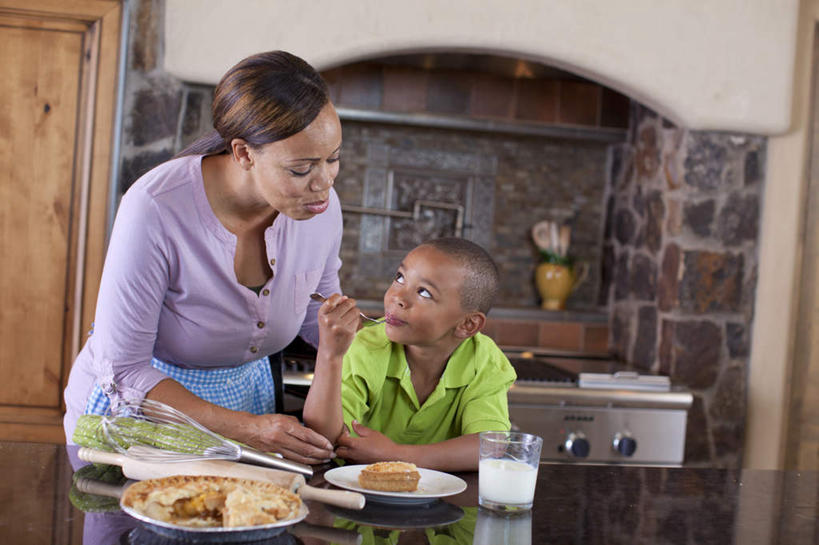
[(238, 534), (142, 535)]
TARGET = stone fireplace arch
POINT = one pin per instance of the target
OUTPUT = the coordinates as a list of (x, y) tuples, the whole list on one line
[(682, 60)]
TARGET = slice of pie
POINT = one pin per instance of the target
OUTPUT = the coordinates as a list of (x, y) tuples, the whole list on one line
[(207, 501), (390, 477)]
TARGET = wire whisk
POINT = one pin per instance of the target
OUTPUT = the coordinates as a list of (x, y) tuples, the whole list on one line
[(155, 432)]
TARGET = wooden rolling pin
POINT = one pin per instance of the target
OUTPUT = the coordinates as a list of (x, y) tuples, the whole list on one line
[(140, 470)]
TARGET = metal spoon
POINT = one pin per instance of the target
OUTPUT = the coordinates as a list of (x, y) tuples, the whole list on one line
[(369, 321)]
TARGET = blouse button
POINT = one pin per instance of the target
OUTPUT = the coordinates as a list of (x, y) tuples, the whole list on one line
[(273, 261), (265, 291), (260, 324), (253, 349)]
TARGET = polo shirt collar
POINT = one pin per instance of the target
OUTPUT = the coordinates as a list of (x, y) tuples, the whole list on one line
[(459, 371)]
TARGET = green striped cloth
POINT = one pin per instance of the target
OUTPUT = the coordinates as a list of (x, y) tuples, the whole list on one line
[(93, 503), (135, 431)]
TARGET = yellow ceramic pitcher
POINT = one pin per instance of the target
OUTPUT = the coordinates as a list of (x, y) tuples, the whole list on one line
[(556, 282)]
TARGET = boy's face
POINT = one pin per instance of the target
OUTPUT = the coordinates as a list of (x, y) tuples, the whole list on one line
[(423, 304)]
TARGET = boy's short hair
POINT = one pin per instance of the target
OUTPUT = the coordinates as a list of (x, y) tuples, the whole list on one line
[(481, 277)]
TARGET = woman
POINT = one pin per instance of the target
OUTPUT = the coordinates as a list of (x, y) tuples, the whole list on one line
[(212, 259)]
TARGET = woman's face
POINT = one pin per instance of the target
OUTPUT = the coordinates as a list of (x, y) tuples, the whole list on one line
[(294, 175)]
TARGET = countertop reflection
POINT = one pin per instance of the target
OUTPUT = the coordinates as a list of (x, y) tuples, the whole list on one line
[(573, 504)]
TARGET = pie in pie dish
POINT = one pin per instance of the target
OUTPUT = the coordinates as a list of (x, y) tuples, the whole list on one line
[(206, 501), (390, 477)]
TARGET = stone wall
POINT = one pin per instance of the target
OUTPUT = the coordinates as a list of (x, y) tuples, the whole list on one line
[(152, 98), (680, 269)]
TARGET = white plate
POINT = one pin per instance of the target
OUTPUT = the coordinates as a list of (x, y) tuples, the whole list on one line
[(432, 485)]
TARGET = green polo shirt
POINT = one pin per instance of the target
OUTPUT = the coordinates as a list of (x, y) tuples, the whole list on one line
[(470, 396)]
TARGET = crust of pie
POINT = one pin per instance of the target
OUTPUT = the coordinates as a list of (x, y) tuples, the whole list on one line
[(207, 501), (390, 477)]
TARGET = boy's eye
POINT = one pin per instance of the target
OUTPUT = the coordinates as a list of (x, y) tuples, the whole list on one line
[(335, 159), (399, 278), (424, 293)]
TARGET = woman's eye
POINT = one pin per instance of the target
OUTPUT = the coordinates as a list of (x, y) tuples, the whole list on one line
[(300, 172), (424, 293)]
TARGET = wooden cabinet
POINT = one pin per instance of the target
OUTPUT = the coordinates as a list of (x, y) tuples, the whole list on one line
[(57, 103)]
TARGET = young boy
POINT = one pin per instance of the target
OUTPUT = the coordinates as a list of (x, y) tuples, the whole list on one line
[(419, 387)]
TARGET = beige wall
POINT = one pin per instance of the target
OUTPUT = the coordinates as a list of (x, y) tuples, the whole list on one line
[(778, 288), (704, 64), (802, 441)]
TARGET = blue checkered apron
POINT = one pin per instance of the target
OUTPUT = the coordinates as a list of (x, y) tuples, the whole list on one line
[(247, 387)]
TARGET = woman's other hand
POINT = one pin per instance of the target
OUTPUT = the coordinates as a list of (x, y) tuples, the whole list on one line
[(338, 319), (284, 434)]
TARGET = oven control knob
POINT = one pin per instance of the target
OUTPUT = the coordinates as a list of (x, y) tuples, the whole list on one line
[(624, 444), (577, 445)]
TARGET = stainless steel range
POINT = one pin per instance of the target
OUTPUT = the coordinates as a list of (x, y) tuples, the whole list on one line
[(587, 410), (590, 411)]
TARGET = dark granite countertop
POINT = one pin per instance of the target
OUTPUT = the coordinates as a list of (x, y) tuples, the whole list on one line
[(573, 504)]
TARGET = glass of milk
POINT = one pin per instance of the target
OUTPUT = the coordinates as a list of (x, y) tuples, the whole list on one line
[(507, 472)]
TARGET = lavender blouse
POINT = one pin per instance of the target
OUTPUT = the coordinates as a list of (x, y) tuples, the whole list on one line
[(169, 289)]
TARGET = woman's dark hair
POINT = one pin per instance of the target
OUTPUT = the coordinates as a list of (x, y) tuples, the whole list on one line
[(264, 98)]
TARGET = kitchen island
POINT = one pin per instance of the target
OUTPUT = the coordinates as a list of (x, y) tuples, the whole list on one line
[(574, 504)]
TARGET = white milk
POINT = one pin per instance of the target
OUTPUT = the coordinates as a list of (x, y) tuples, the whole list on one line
[(506, 481)]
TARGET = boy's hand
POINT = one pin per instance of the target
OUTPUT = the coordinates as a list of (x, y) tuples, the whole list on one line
[(370, 446), (338, 322)]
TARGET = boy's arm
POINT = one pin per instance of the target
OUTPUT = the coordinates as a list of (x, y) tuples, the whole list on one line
[(457, 454), (338, 320), (322, 407)]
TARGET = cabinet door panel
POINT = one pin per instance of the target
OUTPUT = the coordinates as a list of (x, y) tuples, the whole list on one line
[(56, 116), (37, 132)]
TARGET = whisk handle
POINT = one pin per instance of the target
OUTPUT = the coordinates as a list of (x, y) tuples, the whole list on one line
[(253, 456)]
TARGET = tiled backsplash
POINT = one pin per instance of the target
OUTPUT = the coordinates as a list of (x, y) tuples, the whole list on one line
[(559, 335)]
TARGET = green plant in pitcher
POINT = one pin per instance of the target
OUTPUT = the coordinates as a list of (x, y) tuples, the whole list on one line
[(555, 276)]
